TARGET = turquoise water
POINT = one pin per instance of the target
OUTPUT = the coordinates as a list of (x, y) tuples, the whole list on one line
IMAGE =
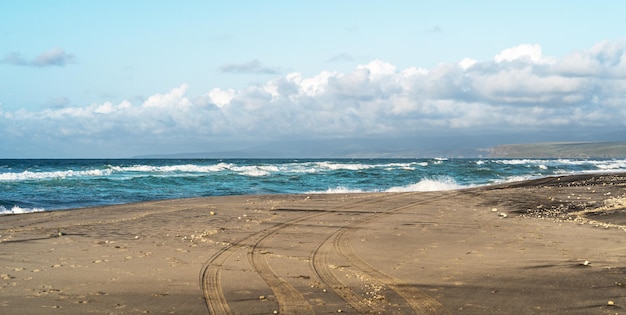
[(43, 185)]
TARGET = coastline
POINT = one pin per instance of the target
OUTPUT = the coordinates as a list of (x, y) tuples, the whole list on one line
[(552, 245)]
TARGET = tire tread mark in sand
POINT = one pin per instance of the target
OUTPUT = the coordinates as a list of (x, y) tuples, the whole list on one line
[(210, 282), (321, 266), (290, 300), (419, 301)]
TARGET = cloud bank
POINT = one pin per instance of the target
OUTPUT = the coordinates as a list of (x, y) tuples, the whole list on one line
[(519, 90), (53, 57)]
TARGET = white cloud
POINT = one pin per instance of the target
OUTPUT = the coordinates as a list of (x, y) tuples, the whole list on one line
[(378, 69), (467, 63), (175, 97), (579, 90), (221, 97), (521, 52)]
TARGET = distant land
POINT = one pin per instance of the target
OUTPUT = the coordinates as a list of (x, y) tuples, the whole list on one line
[(354, 148), (560, 150)]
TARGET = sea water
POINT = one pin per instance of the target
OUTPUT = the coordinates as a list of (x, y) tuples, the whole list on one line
[(45, 185)]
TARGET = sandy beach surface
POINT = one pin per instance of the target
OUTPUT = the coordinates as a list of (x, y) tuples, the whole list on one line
[(548, 246)]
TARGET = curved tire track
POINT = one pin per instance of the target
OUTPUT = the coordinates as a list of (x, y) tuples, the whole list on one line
[(419, 301), (210, 282), (290, 300)]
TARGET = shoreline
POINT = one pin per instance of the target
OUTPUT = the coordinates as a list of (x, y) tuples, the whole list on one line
[(520, 183), (559, 240)]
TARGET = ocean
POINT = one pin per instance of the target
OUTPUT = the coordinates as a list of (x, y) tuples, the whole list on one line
[(46, 185)]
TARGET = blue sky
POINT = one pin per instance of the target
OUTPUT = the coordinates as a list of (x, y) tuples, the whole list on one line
[(121, 78)]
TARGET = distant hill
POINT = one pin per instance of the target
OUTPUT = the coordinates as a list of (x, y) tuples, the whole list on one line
[(450, 147), (560, 150)]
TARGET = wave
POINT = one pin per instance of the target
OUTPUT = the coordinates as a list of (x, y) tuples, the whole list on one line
[(267, 168), (443, 183), (19, 210), (244, 169), (338, 190), (184, 168), (28, 175)]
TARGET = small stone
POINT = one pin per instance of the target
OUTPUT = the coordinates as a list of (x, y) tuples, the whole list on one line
[(586, 263), (610, 303), (494, 210), (262, 297), (212, 213), (339, 311)]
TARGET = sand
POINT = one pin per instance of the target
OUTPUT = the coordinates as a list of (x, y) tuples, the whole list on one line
[(550, 246)]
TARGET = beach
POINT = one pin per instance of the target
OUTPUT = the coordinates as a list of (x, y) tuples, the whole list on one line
[(555, 245)]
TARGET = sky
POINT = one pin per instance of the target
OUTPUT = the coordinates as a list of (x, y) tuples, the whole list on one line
[(104, 79)]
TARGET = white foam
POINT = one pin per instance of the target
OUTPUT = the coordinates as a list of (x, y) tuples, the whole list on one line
[(342, 166), (266, 170), (28, 175), (184, 168), (337, 190), (334, 166), (255, 171), (517, 178), (611, 164), (519, 161), (440, 184), (18, 210)]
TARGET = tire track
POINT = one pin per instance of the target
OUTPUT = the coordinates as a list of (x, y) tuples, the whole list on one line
[(321, 265), (290, 300), (210, 281), (419, 301), (339, 241)]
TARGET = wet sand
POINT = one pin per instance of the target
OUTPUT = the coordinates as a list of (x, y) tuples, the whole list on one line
[(549, 246)]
